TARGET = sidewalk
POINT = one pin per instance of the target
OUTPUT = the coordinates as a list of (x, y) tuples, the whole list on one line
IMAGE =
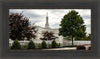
[(65, 48)]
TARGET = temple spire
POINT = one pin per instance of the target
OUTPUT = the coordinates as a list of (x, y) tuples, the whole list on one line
[(47, 23), (47, 13)]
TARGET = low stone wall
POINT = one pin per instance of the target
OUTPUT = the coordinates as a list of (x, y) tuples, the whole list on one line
[(76, 43)]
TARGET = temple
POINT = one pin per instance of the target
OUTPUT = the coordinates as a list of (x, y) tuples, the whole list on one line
[(47, 23), (47, 28)]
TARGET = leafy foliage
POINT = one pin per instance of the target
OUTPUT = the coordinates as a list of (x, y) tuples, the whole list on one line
[(16, 45), (44, 45), (72, 25), (54, 44), (67, 38), (58, 44), (84, 38), (19, 27), (25, 46), (31, 45), (39, 45), (89, 37), (48, 36), (49, 45)]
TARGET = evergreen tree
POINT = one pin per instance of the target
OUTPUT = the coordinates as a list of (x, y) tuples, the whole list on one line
[(44, 44), (31, 45), (54, 44), (16, 45)]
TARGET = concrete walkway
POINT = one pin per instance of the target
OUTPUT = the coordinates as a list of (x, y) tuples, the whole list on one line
[(65, 48)]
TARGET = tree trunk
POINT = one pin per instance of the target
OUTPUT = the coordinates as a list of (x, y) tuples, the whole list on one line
[(72, 41)]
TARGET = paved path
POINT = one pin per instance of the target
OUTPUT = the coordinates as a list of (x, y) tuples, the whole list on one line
[(65, 48)]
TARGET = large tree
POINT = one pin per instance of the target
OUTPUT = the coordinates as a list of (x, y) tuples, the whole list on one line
[(19, 27), (72, 25)]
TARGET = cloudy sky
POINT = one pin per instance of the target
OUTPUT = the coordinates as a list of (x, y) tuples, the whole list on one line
[(38, 16)]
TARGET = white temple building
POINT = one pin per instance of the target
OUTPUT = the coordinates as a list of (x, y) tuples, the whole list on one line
[(47, 28)]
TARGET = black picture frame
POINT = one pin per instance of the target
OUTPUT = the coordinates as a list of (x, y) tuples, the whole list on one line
[(5, 53)]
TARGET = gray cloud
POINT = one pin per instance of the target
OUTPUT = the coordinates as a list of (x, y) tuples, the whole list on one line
[(88, 25), (32, 15), (56, 25), (38, 16), (86, 16)]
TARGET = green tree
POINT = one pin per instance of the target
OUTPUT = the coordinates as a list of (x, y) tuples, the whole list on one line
[(16, 45), (44, 45), (39, 45), (31, 45), (54, 44), (72, 25)]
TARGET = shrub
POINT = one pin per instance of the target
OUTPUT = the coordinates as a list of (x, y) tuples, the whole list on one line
[(49, 45), (44, 45), (16, 45), (81, 47), (54, 44), (25, 46), (58, 45), (39, 45), (31, 45)]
